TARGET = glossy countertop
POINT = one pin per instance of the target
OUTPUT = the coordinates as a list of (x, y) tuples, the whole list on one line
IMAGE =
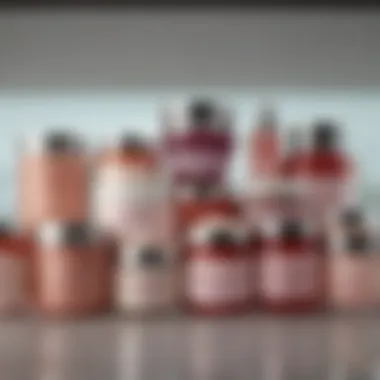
[(252, 347)]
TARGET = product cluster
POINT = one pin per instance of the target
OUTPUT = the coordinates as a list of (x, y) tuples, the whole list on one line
[(147, 228)]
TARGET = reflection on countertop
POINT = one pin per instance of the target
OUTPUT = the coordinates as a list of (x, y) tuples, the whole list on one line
[(331, 348)]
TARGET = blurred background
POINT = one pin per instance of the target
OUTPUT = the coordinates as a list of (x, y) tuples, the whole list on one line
[(106, 71)]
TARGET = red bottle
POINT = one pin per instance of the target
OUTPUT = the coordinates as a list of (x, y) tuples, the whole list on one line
[(264, 147), (292, 271), (216, 269), (327, 170)]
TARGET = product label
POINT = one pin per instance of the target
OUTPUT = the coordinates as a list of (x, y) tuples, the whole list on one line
[(199, 162), (289, 276), (12, 281), (217, 281), (145, 289)]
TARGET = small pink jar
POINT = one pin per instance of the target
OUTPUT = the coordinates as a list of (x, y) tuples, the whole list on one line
[(147, 279), (352, 285)]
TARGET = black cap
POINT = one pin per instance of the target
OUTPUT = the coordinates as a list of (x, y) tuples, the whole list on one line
[(151, 257), (291, 229), (76, 234), (358, 243), (60, 142), (202, 111), (222, 239), (132, 142), (325, 134), (352, 217)]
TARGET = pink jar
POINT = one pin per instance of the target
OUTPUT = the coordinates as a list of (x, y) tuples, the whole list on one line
[(197, 142), (147, 279), (352, 282)]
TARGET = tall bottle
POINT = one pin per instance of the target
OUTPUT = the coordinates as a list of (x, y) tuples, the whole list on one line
[(264, 146), (197, 142)]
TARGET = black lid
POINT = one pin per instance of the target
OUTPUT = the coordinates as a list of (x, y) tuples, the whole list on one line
[(132, 142), (202, 111), (151, 257), (223, 239), (358, 243), (60, 142), (76, 234), (325, 134), (291, 229), (352, 217)]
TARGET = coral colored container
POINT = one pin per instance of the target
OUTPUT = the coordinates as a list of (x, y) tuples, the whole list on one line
[(292, 272), (73, 271), (216, 274), (53, 180), (15, 274), (353, 274), (130, 192), (197, 142), (264, 147), (147, 279)]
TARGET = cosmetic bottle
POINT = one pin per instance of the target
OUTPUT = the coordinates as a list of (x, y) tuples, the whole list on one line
[(73, 270), (328, 170), (292, 278), (148, 280), (197, 141), (216, 269), (264, 146), (53, 180), (131, 194), (352, 273)]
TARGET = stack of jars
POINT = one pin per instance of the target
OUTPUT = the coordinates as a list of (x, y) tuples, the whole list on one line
[(147, 229)]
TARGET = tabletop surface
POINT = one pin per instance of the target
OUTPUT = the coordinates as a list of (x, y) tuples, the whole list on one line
[(328, 347)]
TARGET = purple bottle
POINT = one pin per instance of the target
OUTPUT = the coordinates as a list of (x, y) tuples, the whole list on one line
[(197, 142)]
